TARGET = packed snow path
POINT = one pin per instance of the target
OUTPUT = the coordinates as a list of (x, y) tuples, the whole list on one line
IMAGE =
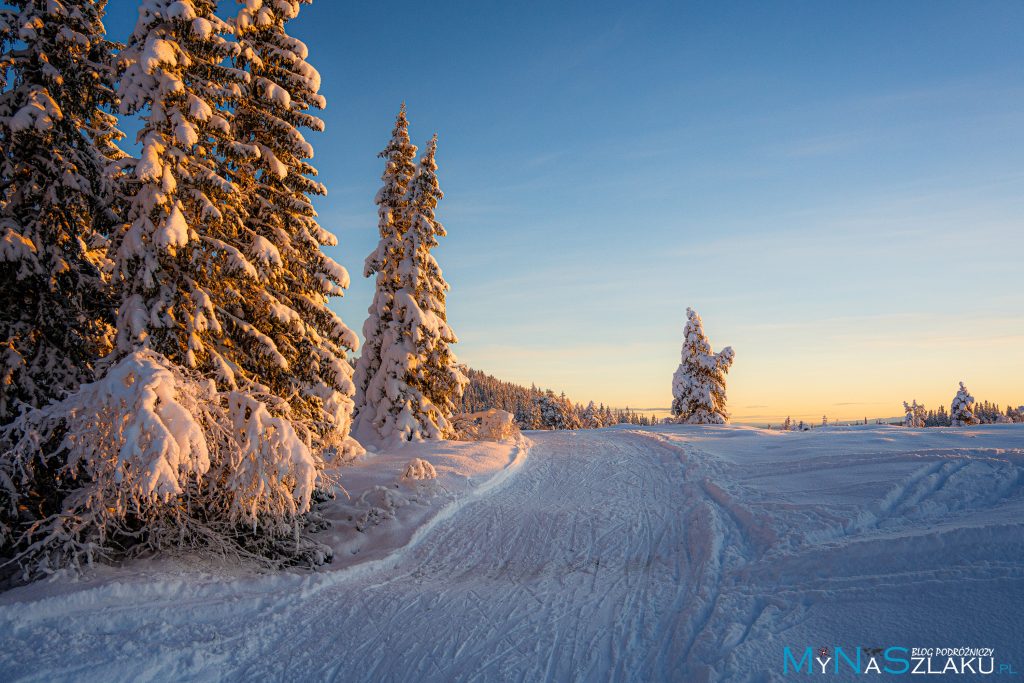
[(668, 554)]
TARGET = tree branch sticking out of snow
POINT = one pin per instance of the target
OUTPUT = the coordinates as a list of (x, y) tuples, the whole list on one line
[(151, 457), (698, 385)]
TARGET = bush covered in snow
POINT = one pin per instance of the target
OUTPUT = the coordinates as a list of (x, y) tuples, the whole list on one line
[(151, 457), (488, 425), (418, 468)]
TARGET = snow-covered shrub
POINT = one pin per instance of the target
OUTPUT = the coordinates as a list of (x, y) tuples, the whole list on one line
[(418, 468), (487, 425), (150, 457), (961, 411), (698, 385)]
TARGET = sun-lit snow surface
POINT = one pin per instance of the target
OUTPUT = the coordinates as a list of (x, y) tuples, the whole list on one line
[(671, 553)]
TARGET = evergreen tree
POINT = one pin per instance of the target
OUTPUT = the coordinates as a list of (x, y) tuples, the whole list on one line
[(421, 302), (182, 267), (281, 233), (961, 412), (915, 416), (399, 169), (698, 386), (154, 453), (56, 141), (556, 412), (415, 390)]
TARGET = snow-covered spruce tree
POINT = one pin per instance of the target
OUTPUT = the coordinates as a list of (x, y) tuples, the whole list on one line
[(281, 233), (55, 140), (961, 412), (419, 383), (556, 412), (915, 414), (183, 266), (698, 385), (399, 169), (228, 470)]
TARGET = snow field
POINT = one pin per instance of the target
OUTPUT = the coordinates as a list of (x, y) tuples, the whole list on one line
[(670, 553)]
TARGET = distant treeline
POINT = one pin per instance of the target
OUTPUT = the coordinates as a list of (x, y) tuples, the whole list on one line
[(987, 413), (542, 408)]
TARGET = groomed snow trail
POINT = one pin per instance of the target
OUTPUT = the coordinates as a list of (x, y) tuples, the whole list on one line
[(682, 554)]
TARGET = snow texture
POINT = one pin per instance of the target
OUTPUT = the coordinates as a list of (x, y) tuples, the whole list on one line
[(418, 468), (678, 553)]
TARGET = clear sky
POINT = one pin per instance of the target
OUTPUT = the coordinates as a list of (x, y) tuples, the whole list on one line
[(838, 188)]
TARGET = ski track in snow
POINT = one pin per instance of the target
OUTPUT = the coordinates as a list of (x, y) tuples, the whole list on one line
[(669, 553)]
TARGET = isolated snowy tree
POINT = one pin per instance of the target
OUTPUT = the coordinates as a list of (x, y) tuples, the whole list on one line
[(416, 389), (915, 414), (698, 385), (55, 141), (281, 235), (399, 169), (961, 412)]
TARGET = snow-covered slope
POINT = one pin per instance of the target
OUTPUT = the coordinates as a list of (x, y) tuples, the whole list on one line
[(671, 553)]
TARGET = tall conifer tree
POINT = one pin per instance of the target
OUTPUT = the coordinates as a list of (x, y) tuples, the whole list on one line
[(418, 383), (283, 236), (55, 141), (399, 169)]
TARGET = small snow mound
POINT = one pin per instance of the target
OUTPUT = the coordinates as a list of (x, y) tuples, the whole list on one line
[(418, 468)]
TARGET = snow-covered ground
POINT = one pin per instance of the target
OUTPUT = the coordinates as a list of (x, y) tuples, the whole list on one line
[(669, 553)]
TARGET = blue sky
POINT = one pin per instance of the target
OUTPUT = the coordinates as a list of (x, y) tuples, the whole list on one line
[(837, 188)]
